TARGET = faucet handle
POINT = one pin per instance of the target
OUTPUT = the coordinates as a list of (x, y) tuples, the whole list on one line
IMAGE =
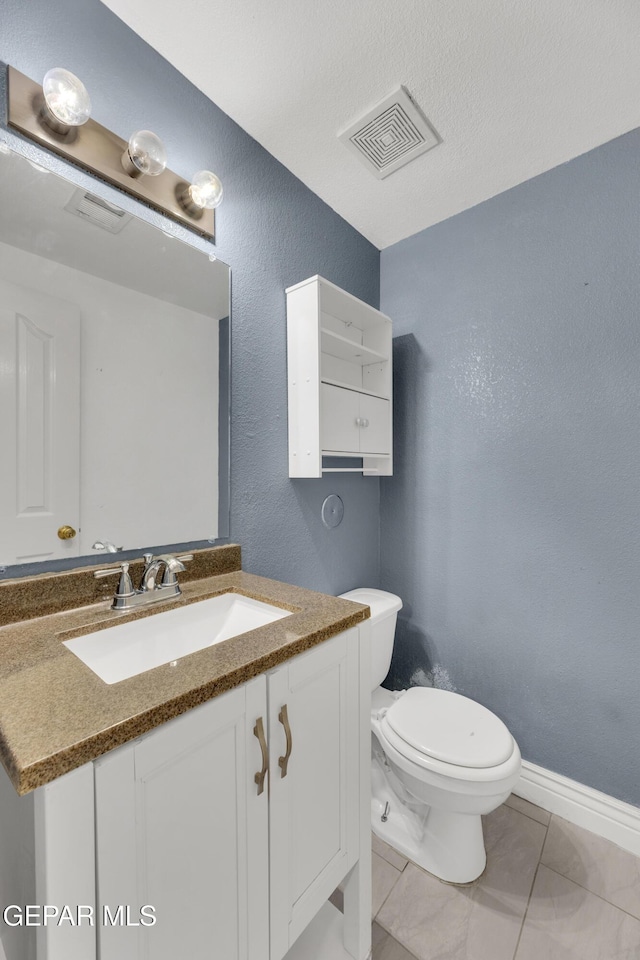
[(173, 565), (107, 573), (125, 585)]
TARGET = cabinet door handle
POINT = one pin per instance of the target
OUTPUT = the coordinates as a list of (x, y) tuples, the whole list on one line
[(258, 731), (283, 717)]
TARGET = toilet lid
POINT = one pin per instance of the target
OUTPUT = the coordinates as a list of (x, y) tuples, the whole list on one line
[(450, 728)]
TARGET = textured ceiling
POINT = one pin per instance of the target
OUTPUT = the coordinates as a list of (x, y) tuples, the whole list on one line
[(513, 88)]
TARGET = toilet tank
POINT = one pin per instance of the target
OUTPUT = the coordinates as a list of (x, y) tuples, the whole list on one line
[(384, 612)]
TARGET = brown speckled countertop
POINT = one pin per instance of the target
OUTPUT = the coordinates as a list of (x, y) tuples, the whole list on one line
[(56, 714)]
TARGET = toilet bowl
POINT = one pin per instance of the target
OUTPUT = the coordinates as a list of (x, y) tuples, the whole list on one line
[(439, 762)]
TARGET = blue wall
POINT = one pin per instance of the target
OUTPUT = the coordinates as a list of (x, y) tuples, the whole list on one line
[(273, 232), (512, 524)]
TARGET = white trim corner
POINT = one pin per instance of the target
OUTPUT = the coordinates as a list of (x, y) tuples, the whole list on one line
[(597, 812)]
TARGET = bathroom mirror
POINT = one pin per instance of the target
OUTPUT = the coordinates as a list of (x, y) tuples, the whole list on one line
[(114, 376)]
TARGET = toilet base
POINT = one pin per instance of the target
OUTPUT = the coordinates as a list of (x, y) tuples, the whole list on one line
[(448, 845)]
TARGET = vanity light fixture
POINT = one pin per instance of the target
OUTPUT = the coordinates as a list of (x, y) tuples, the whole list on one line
[(145, 155), (57, 116), (204, 193), (67, 104)]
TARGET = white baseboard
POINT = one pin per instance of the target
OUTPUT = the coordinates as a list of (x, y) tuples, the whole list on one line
[(588, 808)]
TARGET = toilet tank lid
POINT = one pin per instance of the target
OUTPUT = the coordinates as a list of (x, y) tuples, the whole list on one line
[(382, 604)]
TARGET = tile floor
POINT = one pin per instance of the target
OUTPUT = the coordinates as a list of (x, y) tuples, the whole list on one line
[(551, 891)]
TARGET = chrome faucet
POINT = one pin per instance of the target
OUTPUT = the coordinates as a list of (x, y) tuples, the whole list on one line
[(105, 545), (171, 565), (151, 589)]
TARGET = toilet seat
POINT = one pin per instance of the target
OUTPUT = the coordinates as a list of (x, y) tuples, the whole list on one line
[(412, 719), (451, 728), (439, 768)]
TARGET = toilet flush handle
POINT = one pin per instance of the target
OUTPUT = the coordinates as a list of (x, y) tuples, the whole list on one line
[(283, 762)]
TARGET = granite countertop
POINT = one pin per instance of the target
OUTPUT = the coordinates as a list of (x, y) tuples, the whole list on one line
[(56, 714)]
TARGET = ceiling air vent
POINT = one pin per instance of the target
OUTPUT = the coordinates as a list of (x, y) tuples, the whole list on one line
[(97, 211), (391, 135)]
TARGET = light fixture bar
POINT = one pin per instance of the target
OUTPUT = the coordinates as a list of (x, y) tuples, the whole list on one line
[(100, 151)]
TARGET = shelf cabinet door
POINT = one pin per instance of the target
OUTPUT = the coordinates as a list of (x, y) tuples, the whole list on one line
[(314, 807), (339, 419), (180, 827), (354, 423), (375, 428)]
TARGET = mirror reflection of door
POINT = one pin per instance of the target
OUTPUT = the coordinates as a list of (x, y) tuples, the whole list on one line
[(152, 386), (40, 421)]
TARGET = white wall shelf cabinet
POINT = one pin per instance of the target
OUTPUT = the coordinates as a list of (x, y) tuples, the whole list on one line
[(339, 381), (175, 819)]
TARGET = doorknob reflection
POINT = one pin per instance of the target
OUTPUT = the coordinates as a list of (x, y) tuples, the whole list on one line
[(66, 532)]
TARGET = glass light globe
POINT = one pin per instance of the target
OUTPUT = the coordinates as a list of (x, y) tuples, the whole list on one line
[(147, 153), (205, 190), (66, 97)]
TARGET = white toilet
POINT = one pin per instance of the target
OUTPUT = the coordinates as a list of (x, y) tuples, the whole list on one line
[(439, 761)]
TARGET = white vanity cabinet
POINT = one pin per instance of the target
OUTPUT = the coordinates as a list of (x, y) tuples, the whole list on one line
[(339, 381), (180, 826), (231, 870), (314, 808)]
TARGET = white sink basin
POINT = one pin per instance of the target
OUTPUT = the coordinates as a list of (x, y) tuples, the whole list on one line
[(128, 649)]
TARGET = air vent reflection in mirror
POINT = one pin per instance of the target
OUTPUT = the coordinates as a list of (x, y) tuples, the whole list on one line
[(97, 211)]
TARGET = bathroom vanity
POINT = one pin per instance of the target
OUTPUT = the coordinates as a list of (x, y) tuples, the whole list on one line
[(224, 794)]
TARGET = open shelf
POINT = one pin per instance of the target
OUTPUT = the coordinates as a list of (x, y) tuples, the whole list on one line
[(346, 454), (350, 386), (323, 939), (344, 349)]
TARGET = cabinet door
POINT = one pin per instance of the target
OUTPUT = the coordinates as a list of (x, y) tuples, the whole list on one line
[(314, 799), (353, 422), (180, 827), (375, 425), (339, 419)]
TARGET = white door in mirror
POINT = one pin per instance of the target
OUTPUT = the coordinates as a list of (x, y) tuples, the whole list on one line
[(40, 404), (136, 646)]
